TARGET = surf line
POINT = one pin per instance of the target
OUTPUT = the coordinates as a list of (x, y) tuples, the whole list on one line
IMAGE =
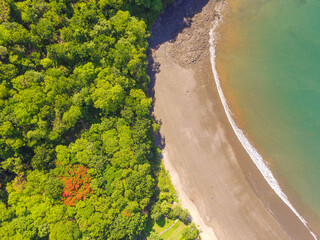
[(253, 153)]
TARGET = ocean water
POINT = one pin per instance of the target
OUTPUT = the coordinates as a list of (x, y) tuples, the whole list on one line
[(268, 60)]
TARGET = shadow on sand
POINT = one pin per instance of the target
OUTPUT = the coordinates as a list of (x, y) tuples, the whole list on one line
[(175, 18), (166, 28)]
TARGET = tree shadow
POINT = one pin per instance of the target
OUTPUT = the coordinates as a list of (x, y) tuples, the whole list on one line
[(166, 28), (173, 20), (161, 221)]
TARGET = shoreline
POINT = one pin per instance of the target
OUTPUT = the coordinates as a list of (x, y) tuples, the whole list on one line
[(213, 174), (205, 231), (250, 149), (288, 194)]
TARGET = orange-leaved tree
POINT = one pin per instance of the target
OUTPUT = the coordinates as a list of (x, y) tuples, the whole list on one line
[(76, 185)]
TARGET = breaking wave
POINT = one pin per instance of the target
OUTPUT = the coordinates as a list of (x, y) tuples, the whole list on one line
[(253, 153)]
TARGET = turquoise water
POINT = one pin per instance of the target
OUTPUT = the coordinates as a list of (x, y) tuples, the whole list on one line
[(270, 53)]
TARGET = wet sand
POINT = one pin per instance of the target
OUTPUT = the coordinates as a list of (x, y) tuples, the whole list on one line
[(215, 178)]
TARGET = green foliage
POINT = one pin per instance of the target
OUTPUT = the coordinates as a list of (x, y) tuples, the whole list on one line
[(5, 11), (3, 52), (156, 212), (43, 157), (77, 153), (43, 31), (167, 191), (64, 230), (154, 236), (71, 117), (179, 212), (190, 233)]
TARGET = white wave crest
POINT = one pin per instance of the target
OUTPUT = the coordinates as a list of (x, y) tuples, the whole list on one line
[(254, 155)]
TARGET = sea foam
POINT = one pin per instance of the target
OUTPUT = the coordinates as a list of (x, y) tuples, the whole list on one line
[(253, 153)]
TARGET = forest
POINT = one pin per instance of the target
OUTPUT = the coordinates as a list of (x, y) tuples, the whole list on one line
[(77, 152)]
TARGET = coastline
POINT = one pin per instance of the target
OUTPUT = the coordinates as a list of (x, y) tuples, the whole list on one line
[(214, 176), (250, 149), (206, 232)]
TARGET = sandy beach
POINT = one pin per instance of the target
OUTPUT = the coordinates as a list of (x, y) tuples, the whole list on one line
[(215, 178)]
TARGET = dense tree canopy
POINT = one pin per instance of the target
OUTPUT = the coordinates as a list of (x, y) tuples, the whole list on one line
[(77, 154)]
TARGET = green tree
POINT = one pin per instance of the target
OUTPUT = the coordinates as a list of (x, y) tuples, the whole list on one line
[(43, 157), (71, 117), (3, 52), (154, 236), (77, 153), (165, 207), (156, 212), (179, 212), (5, 11), (190, 233), (43, 31), (64, 230)]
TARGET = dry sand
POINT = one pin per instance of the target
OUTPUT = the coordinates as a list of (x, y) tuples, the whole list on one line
[(215, 178)]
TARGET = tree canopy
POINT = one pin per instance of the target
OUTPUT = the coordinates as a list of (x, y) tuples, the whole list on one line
[(77, 153)]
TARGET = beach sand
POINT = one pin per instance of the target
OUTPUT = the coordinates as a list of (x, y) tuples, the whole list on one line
[(215, 178)]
